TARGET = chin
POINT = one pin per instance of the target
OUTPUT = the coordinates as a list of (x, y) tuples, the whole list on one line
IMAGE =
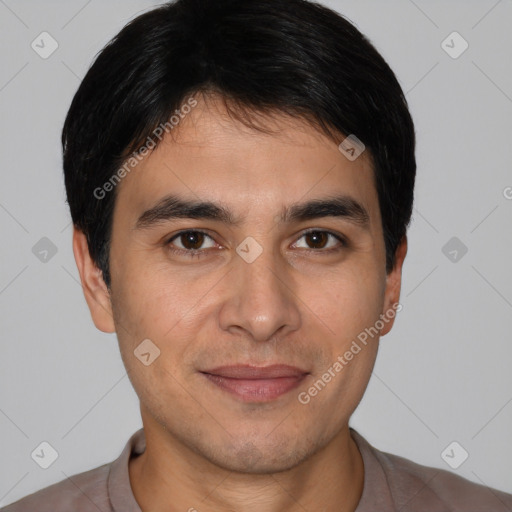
[(259, 456)]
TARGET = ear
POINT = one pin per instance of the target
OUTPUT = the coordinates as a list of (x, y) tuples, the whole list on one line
[(393, 286), (95, 290)]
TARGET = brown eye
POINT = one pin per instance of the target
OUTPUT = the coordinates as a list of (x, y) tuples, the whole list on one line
[(320, 240), (317, 239), (192, 241)]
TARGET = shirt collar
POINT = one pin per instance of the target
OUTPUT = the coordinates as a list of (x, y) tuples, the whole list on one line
[(119, 489), (376, 493)]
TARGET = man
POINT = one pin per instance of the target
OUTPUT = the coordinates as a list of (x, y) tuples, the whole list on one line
[(240, 176)]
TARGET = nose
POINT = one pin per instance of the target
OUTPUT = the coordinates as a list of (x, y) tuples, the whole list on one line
[(261, 302)]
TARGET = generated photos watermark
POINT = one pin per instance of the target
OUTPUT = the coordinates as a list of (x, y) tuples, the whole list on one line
[(137, 156), (304, 397)]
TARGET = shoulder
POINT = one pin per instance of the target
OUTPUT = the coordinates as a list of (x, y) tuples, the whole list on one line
[(452, 490), (414, 487), (105, 488), (84, 492)]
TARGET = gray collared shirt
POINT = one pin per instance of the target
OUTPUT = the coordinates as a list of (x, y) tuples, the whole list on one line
[(391, 484)]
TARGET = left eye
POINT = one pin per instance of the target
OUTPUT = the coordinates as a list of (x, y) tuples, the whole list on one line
[(320, 240)]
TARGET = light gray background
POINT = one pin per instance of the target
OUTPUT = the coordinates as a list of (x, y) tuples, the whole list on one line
[(443, 373)]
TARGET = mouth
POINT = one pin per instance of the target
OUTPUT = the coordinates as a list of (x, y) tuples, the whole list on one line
[(256, 383)]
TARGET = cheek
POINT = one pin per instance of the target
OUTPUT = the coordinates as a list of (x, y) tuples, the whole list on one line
[(348, 301), (147, 310), (149, 296), (168, 308)]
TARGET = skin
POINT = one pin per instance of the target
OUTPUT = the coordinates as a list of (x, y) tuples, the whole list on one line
[(296, 304)]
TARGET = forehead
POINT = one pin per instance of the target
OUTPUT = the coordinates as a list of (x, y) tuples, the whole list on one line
[(211, 156)]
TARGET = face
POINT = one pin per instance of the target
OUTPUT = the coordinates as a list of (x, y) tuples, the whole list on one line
[(253, 298)]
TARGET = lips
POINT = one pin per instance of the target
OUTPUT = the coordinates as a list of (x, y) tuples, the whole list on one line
[(256, 372), (256, 383)]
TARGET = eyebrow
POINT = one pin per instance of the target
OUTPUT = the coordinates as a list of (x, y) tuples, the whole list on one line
[(174, 207)]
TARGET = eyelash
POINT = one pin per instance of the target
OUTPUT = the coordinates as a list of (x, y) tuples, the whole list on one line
[(198, 253)]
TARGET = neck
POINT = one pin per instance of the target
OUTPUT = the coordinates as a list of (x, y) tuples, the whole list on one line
[(170, 477)]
